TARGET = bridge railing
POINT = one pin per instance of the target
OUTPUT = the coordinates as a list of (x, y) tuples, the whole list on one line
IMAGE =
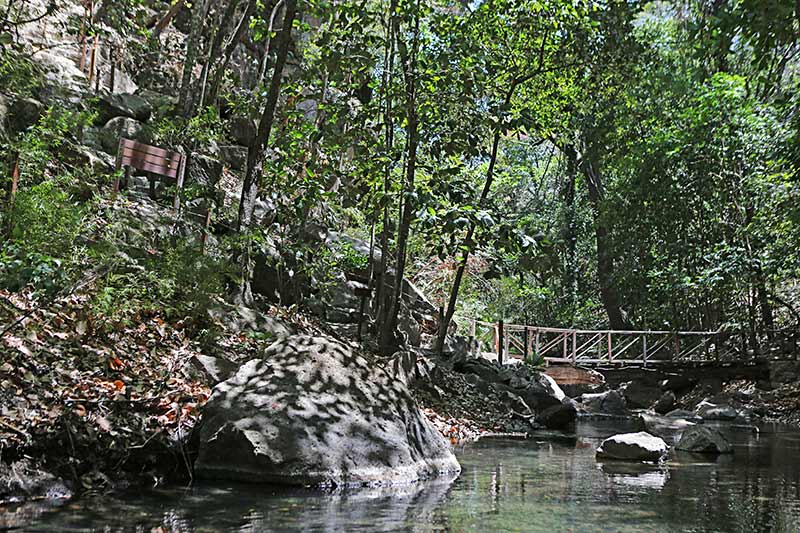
[(578, 346)]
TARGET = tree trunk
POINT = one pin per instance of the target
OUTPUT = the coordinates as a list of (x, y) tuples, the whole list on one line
[(185, 100), (605, 260), (388, 120), (215, 48), (255, 152), (444, 322), (244, 23), (409, 62)]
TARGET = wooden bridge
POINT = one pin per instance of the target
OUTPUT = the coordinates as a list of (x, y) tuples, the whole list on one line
[(504, 342)]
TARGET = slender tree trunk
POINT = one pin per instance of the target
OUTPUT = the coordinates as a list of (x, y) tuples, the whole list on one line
[(388, 121), (605, 259), (186, 100), (213, 51), (409, 61), (255, 152), (444, 322), (241, 28)]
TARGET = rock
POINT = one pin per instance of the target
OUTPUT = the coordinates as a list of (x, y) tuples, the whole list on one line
[(242, 130), (683, 413), (678, 383), (23, 479), (639, 395), (663, 426), (641, 446), (83, 156), (783, 372), (559, 416), (609, 403), (699, 439), (341, 315), (120, 127), (666, 403), (541, 392), (160, 104), (233, 156), (22, 114), (710, 411), (203, 170), (409, 328), (123, 105), (310, 412), (217, 369)]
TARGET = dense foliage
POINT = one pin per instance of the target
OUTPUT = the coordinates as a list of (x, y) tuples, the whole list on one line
[(624, 164)]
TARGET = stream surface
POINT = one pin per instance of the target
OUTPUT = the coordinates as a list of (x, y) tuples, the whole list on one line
[(550, 483)]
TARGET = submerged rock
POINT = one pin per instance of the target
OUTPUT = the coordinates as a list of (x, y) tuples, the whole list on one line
[(699, 439), (310, 412), (641, 446)]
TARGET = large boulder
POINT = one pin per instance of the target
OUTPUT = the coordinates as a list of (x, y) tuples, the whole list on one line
[(608, 403), (233, 156), (310, 412), (712, 411), (700, 439), (242, 130), (203, 170), (639, 395), (641, 446), (119, 127), (559, 416), (22, 114), (123, 105), (666, 403)]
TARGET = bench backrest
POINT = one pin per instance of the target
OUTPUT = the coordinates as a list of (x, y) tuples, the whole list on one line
[(149, 158), (133, 154)]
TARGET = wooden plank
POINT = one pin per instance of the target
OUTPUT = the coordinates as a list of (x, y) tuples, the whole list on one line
[(130, 153), (146, 148), (150, 167)]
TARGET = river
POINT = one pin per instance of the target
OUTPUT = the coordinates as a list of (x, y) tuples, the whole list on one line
[(550, 483)]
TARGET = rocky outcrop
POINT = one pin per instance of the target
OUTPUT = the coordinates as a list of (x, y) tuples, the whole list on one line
[(118, 127), (641, 446), (699, 439), (203, 170), (310, 412), (123, 105), (607, 403)]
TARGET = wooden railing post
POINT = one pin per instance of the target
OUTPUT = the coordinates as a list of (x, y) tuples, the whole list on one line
[(644, 349), (536, 345), (500, 342), (574, 346), (608, 341), (525, 344)]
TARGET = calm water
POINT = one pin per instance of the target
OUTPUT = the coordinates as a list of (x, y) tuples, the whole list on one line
[(551, 483)]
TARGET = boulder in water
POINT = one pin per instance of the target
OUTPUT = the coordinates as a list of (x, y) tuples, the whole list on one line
[(310, 412), (641, 446), (699, 439), (712, 411), (610, 403), (666, 403)]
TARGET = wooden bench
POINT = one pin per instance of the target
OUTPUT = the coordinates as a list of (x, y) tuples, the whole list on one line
[(151, 159)]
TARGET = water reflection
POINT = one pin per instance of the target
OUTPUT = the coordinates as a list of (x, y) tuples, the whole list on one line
[(541, 485)]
